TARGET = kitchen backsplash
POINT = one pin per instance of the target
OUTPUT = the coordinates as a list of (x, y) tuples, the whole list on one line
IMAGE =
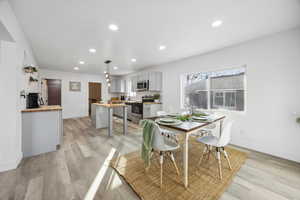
[(138, 95)]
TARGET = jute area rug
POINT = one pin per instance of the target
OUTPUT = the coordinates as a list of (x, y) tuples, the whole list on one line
[(203, 180)]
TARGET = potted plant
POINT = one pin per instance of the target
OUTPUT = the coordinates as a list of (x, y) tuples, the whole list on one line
[(30, 69), (298, 120), (31, 79), (156, 98)]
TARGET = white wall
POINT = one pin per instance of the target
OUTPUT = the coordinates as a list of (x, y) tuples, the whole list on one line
[(75, 104), (10, 137), (4, 34), (273, 96), (12, 81)]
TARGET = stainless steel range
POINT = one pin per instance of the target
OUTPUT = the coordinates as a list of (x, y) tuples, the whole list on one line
[(136, 112)]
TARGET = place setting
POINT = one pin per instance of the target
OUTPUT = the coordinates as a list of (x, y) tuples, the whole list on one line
[(175, 119), (168, 121)]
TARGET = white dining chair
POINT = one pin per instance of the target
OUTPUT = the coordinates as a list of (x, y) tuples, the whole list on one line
[(219, 144), (164, 143), (208, 130)]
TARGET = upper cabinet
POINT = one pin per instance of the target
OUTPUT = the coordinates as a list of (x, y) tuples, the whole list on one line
[(143, 77), (118, 85), (134, 83), (155, 81), (154, 78)]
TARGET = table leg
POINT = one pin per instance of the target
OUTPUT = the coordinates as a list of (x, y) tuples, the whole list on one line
[(186, 160), (110, 121), (124, 120), (221, 127)]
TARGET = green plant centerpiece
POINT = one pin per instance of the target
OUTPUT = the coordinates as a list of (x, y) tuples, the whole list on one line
[(184, 117), (188, 117), (298, 120)]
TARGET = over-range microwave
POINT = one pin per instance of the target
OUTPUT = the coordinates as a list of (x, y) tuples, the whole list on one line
[(142, 85)]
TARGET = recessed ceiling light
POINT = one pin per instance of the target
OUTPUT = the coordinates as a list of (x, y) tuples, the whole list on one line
[(76, 68), (113, 27), (81, 62), (115, 67), (217, 23), (133, 60), (162, 47), (92, 50)]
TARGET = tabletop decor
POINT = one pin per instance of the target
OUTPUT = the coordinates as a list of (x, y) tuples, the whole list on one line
[(195, 116), (183, 118)]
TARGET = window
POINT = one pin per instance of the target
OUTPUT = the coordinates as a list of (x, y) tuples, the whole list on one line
[(218, 99), (215, 90)]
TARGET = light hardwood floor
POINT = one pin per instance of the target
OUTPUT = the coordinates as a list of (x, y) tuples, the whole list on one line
[(69, 172)]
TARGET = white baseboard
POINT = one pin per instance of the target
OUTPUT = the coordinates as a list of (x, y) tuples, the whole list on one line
[(11, 164)]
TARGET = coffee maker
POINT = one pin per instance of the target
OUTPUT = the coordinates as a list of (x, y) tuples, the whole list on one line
[(32, 100)]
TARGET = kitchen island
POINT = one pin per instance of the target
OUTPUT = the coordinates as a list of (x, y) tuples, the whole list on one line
[(42, 130), (102, 116)]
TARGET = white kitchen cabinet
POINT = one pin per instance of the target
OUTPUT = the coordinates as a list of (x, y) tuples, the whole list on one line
[(118, 85), (42, 131), (118, 111), (155, 81), (154, 78), (143, 77), (150, 109), (134, 83)]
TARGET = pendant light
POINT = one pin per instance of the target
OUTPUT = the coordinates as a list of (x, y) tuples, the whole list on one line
[(107, 73)]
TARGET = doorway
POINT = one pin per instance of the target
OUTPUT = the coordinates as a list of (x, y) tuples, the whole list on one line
[(94, 94), (54, 91)]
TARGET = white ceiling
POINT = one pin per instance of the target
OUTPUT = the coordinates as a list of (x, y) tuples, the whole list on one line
[(61, 32)]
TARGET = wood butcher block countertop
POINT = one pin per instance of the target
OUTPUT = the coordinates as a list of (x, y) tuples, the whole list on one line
[(110, 105), (43, 109)]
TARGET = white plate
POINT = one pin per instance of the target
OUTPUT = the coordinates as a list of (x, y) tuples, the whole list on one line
[(174, 114), (175, 123), (167, 120), (200, 118)]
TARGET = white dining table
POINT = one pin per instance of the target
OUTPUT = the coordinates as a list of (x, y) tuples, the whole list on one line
[(187, 128)]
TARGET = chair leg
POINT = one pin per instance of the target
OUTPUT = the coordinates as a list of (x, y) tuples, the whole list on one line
[(219, 162), (209, 151), (161, 161), (173, 160), (148, 167), (227, 158), (203, 154)]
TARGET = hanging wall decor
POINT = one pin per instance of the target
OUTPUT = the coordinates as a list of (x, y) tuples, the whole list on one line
[(75, 86)]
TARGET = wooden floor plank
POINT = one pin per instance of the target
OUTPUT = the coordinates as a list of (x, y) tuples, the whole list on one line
[(69, 172), (35, 189)]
